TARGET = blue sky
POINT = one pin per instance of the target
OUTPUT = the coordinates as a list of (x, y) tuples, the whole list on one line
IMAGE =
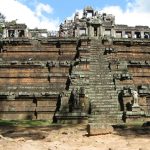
[(50, 13), (65, 8)]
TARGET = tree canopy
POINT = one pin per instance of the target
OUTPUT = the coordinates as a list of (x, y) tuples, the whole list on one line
[(2, 18)]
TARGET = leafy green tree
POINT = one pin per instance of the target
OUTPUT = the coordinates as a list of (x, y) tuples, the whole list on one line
[(2, 18), (2, 21)]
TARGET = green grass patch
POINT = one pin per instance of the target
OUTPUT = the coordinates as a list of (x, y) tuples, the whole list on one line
[(26, 123), (136, 124)]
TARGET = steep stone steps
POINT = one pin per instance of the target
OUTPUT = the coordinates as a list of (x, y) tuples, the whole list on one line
[(104, 99)]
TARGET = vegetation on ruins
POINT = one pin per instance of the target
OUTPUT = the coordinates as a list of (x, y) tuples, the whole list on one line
[(2, 20), (25, 123)]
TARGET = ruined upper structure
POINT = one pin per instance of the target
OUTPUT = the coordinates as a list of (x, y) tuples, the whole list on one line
[(91, 24), (94, 24), (14, 30)]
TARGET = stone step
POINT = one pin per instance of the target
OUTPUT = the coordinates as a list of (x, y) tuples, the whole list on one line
[(103, 109), (102, 82), (101, 89), (94, 48), (103, 74), (105, 79), (101, 112), (113, 113), (102, 99), (104, 103), (103, 92), (99, 64), (103, 120), (100, 56), (102, 95), (103, 116), (102, 106), (100, 78), (99, 84), (97, 71), (105, 85), (100, 68), (106, 107)]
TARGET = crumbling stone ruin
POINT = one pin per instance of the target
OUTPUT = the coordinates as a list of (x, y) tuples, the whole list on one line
[(92, 70)]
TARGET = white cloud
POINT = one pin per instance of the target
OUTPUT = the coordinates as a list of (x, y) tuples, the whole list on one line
[(13, 9), (72, 16), (137, 12), (139, 5), (43, 8)]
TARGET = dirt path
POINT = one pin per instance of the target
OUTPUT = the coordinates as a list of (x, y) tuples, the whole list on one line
[(72, 138)]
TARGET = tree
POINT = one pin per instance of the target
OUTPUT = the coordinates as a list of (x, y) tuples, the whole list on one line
[(2, 21), (2, 18)]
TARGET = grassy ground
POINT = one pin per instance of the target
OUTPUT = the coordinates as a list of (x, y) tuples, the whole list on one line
[(44, 123), (25, 123)]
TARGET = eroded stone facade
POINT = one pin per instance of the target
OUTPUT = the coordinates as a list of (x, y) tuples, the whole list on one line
[(85, 72)]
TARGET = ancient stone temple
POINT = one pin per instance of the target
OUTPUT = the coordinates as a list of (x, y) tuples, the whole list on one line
[(92, 70)]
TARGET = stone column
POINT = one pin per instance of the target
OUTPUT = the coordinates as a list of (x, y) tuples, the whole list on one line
[(16, 33), (5, 34), (26, 33), (90, 33), (86, 32), (102, 31), (123, 34), (98, 31), (133, 34), (142, 34), (112, 32), (77, 32)]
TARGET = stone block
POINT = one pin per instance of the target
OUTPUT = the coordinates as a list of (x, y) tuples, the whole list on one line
[(136, 108), (71, 118), (97, 129)]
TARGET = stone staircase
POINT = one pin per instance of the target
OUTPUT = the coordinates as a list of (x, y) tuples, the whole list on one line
[(102, 94)]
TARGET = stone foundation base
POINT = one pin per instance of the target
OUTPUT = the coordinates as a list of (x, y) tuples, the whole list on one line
[(98, 128), (136, 108), (72, 118), (136, 116)]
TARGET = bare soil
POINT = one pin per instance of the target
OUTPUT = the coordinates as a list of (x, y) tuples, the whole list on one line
[(72, 137)]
